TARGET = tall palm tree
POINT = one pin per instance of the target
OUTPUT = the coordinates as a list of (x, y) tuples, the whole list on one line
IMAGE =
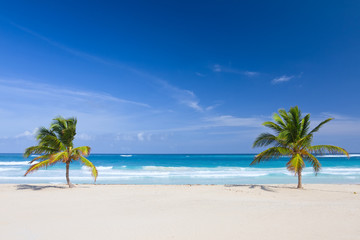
[(293, 139), (56, 145)]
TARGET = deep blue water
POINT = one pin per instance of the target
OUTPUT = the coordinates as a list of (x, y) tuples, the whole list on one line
[(181, 169)]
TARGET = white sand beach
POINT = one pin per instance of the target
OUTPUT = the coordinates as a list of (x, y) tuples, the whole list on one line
[(40, 212)]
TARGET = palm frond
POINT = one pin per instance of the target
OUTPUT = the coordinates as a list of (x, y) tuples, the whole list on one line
[(53, 142), (264, 139), (284, 116), (305, 125), (43, 132), (312, 160), (39, 149), (323, 149), (89, 164), (273, 126), (60, 156), (304, 142), (43, 157), (320, 125), (65, 130), (84, 150), (279, 120), (270, 153), (295, 114), (296, 164), (43, 164)]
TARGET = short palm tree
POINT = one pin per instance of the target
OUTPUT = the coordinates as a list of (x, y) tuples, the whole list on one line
[(56, 145), (293, 139)]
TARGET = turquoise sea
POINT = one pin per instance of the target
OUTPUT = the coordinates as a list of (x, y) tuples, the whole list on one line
[(182, 169)]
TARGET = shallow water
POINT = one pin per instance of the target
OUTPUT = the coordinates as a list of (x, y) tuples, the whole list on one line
[(182, 169)]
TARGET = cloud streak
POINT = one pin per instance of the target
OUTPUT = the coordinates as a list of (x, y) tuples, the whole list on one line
[(183, 96), (219, 68), (33, 88), (283, 78)]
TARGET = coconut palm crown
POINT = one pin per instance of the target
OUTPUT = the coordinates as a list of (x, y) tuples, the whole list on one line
[(293, 139), (55, 145)]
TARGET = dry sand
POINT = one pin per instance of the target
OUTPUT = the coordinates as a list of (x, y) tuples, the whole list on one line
[(179, 212)]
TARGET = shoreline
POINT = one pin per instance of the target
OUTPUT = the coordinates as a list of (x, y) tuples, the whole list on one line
[(266, 211)]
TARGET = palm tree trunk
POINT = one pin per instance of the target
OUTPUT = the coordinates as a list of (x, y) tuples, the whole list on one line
[(67, 175), (299, 179)]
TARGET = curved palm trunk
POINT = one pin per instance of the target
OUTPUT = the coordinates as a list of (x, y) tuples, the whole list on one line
[(299, 179), (67, 175)]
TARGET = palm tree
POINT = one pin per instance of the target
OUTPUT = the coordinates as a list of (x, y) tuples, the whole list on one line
[(293, 139), (56, 145)]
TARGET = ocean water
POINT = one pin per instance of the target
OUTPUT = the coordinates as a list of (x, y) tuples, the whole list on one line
[(181, 169)]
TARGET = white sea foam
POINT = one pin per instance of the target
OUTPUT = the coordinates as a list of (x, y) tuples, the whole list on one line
[(160, 168), (217, 172), (337, 156), (170, 174), (100, 168), (126, 155), (15, 163), (9, 169), (340, 171)]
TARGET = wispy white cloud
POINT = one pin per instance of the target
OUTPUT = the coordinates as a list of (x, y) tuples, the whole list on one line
[(78, 53), (214, 122), (209, 108), (85, 136), (231, 121), (283, 78), (183, 96), (27, 134), (250, 74), (140, 136), (200, 74), (34, 88), (341, 125), (335, 115), (219, 68)]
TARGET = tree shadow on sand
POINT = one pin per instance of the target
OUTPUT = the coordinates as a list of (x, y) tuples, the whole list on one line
[(37, 187), (267, 188)]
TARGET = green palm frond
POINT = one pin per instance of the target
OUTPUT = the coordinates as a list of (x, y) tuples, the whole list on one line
[(273, 126), (52, 142), (43, 132), (65, 130), (84, 150), (296, 163), (304, 126), (320, 125), (312, 160), (270, 153), (89, 164), (42, 157), (285, 116), (43, 164), (264, 139), (324, 149), (278, 120), (40, 149), (295, 114), (304, 142), (59, 157)]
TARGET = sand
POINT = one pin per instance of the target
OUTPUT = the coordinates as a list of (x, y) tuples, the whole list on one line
[(179, 212)]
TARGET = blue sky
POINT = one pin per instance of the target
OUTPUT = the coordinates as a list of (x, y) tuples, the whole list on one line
[(177, 76)]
